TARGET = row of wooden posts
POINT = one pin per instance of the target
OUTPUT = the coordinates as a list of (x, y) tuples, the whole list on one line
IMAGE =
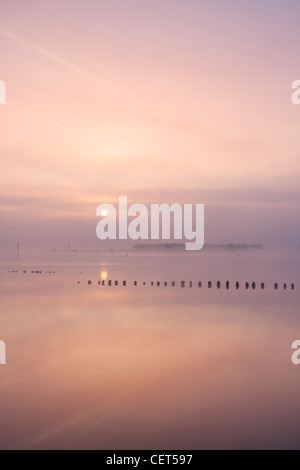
[(32, 272), (200, 284), (183, 284)]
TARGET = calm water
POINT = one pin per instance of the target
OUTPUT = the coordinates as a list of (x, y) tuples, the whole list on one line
[(98, 367)]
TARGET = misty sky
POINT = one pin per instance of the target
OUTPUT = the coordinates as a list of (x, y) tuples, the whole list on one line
[(160, 100)]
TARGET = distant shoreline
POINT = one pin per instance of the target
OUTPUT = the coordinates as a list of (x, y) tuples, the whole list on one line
[(168, 248), (180, 247)]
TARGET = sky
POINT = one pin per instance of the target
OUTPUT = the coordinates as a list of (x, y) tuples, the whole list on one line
[(160, 100)]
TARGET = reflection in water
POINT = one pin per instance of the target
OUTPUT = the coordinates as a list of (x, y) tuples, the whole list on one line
[(99, 367)]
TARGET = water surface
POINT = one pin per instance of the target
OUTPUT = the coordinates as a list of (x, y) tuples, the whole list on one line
[(98, 367)]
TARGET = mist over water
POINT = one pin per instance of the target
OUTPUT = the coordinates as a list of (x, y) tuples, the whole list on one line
[(106, 367), (107, 346)]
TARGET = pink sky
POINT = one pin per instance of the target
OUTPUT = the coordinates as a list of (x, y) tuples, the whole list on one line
[(163, 101)]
